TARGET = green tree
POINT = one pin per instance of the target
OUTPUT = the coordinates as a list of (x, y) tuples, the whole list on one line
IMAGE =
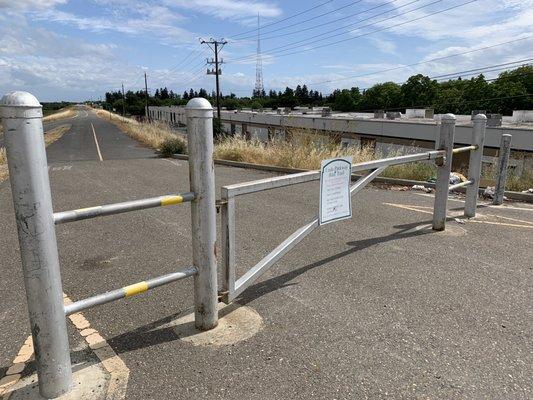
[(344, 101), (382, 96), (419, 90)]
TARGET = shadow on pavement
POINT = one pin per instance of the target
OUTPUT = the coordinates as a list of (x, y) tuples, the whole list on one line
[(162, 330), (271, 285)]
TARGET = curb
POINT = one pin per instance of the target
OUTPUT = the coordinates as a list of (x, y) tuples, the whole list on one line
[(526, 197)]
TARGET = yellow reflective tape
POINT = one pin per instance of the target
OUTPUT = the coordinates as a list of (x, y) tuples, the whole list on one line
[(171, 200), (87, 209), (136, 288)]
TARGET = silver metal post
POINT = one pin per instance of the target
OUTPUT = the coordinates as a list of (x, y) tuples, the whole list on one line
[(474, 165), (503, 162), (227, 235), (447, 129), (26, 155), (203, 211)]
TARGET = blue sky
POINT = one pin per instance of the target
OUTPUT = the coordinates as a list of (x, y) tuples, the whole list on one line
[(76, 50)]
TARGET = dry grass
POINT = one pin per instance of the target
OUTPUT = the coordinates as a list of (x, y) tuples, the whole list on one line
[(514, 182), (55, 134), (49, 138), (3, 164), (61, 114), (153, 134), (306, 150)]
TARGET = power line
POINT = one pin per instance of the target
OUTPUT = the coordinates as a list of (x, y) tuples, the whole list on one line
[(483, 68), (309, 19), (463, 75), (372, 32), (335, 20), (182, 63), (459, 74), (320, 37), (422, 62), (285, 19), (355, 24)]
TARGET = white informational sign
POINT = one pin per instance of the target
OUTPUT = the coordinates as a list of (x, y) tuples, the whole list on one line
[(335, 199)]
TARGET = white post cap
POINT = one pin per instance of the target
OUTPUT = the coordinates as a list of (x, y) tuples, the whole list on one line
[(20, 105)]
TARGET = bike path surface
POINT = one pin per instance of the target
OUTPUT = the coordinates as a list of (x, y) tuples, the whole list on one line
[(374, 307)]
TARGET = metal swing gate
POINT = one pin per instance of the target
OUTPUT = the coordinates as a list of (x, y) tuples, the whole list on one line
[(22, 120), (232, 287)]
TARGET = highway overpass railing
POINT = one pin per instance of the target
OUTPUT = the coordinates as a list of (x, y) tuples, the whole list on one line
[(232, 286), (21, 115)]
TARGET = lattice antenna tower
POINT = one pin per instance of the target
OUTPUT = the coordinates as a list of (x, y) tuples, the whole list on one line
[(259, 88)]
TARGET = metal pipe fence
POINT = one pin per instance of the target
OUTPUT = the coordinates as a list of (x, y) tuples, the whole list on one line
[(118, 208), (232, 286), (128, 291), (21, 115)]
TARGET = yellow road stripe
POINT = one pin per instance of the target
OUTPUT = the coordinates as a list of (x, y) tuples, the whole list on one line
[(510, 219), (136, 288), (502, 224), (171, 200), (413, 208)]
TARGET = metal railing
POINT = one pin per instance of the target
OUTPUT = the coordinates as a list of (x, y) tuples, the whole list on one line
[(21, 115), (232, 287)]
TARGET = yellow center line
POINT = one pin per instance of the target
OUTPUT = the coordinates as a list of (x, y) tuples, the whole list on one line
[(97, 145)]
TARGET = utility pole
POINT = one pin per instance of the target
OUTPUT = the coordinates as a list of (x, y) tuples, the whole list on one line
[(218, 44), (146, 92), (123, 103)]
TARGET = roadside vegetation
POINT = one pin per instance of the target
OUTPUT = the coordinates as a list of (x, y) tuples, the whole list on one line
[(60, 114), (49, 138), (303, 150), (156, 135)]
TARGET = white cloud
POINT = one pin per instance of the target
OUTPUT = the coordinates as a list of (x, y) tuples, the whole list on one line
[(46, 63), (29, 4), (156, 21), (228, 9), (385, 46)]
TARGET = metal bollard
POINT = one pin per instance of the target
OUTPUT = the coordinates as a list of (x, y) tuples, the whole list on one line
[(503, 162), (474, 165), (26, 155), (203, 211), (447, 129)]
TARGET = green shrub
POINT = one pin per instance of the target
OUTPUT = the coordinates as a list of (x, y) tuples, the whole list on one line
[(173, 145)]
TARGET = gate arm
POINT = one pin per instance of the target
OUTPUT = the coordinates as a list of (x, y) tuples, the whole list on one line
[(269, 260)]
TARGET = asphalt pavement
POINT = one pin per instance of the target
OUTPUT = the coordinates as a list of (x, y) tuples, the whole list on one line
[(374, 307)]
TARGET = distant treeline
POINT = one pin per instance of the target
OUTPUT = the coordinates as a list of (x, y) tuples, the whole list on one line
[(512, 90), (49, 108)]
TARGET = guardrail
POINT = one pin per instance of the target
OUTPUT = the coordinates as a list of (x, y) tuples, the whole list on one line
[(232, 287), (21, 115)]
